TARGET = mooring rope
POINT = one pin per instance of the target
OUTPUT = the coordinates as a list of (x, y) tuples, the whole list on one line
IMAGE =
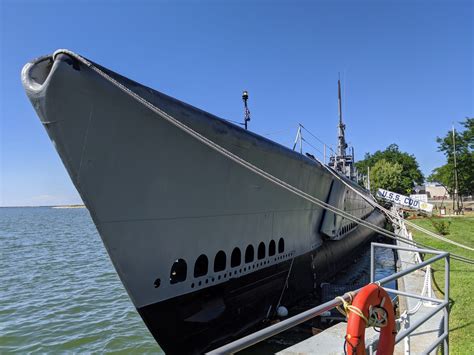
[(394, 215), (216, 147)]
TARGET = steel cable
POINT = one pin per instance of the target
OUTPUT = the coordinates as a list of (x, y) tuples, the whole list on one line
[(238, 159)]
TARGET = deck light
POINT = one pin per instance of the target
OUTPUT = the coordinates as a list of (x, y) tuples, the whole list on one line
[(245, 97)]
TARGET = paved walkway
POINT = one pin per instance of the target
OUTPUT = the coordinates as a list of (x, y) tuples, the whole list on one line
[(328, 342)]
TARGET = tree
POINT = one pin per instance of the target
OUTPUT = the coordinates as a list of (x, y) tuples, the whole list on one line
[(386, 175), (464, 158), (411, 172)]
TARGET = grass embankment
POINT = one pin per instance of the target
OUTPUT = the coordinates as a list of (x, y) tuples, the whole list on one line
[(461, 321)]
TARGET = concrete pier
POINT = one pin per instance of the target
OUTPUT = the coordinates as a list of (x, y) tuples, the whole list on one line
[(329, 341)]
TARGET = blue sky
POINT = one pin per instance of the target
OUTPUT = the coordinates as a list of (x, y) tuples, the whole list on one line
[(407, 67)]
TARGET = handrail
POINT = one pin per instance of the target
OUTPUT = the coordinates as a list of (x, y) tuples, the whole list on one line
[(286, 324), (442, 305), (436, 343), (407, 294), (419, 322)]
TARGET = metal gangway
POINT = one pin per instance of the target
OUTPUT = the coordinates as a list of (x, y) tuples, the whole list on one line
[(439, 305)]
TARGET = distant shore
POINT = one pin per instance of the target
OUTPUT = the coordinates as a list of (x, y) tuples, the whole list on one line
[(69, 206), (56, 206)]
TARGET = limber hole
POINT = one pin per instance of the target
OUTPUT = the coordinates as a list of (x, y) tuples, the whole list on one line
[(157, 283)]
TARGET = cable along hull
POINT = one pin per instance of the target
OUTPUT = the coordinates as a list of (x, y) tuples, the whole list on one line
[(203, 246)]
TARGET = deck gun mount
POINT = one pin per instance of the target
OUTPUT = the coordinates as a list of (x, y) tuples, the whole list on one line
[(342, 162)]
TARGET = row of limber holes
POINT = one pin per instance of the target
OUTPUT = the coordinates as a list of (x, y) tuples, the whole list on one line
[(351, 226), (240, 270), (179, 268)]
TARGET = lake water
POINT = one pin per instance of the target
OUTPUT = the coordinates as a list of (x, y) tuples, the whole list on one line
[(59, 291)]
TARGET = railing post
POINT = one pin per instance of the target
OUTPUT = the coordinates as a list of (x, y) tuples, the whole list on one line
[(372, 263), (406, 341), (446, 298)]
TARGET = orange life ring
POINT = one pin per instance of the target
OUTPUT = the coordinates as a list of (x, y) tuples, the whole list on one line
[(369, 300)]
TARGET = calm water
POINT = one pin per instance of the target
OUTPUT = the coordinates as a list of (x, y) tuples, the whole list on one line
[(58, 289)]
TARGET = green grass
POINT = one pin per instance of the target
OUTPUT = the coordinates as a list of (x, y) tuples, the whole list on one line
[(461, 321)]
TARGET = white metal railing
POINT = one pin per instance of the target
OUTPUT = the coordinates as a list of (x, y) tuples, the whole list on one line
[(286, 324), (439, 304)]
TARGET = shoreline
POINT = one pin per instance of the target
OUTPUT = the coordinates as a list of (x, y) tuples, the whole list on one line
[(54, 206)]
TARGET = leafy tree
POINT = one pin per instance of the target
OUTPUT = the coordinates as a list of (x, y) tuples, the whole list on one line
[(464, 158), (392, 154), (386, 175)]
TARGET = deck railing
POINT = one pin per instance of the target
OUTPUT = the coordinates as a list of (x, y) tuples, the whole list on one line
[(441, 304)]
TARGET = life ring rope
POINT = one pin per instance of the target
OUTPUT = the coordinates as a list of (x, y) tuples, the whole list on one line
[(348, 307), (377, 315)]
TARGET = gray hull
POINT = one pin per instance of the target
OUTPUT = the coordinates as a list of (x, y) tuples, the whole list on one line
[(184, 225)]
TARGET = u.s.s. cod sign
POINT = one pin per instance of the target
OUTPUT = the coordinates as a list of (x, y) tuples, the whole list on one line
[(405, 200)]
